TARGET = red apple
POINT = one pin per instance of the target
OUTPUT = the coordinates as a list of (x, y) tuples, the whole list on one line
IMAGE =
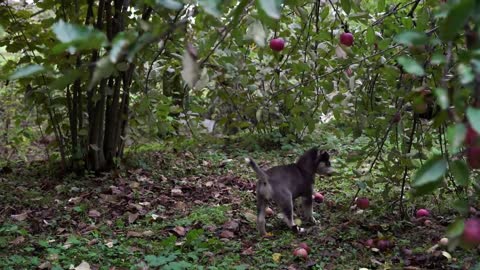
[(473, 157), (397, 117), (346, 39), (363, 203), (407, 252), (383, 245), (370, 243), (349, 72), (471, 137), (269, 211), (277, 44), (300, 253), (471, 232), (304, 246), (422, 213), (318, 197)]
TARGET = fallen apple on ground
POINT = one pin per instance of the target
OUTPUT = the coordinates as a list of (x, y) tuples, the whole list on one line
[(318, 197), (300, 253), (363, 203), (370, 243), (422, 213), (471, 232), (304, 246), (383, 245)]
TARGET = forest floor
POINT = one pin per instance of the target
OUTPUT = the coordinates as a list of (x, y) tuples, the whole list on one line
[(194, 208)]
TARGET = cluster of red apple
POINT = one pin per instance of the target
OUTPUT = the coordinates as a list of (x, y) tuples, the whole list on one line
[(302, 251), (278, 44), (471, 231), (472, 141)]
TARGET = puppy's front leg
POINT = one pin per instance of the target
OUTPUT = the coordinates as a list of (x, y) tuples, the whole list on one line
[(308, 208)]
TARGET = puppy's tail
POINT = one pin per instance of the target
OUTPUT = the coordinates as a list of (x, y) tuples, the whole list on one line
[(262, 175)]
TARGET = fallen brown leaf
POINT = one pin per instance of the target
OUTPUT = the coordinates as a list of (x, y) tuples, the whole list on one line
[(17, 241), (147, 233), (133, 234), (132, 217), (177, 192), (83, 266), (45, 265), (92, 242), (20, 217), (248, 251), (94, 213), (179, 230), (231, 225), (227, 234)]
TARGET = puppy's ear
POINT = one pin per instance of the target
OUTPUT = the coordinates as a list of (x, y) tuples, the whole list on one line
[(322, 155)]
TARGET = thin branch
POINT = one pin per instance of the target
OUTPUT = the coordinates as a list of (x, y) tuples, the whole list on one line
[(158, 54), (336, 12), (405, 171), (410, 14)]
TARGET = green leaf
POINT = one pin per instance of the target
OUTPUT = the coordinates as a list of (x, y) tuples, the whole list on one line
[(361, 184), (119, 45), (381, 5), (271, 7), (65, 79), (2, 32), (256, 32), (26, 71), (466, 73), (456, 228), (210, 6), (155, 261), (460, 172), (411, 66), (473, 116), (103, 69), (461, 205), (431, 172), (346, 5), (170, 4), (457, 17), (325, 12), (442, 97), (74, 37), (456, 136), (438, 59), (411, 38), (370, 35)]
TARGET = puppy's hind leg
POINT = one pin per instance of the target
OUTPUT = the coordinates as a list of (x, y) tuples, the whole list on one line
[(287, 209), (261, 206)]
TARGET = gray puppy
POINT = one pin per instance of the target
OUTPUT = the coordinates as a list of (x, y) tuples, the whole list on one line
[(285, 183)]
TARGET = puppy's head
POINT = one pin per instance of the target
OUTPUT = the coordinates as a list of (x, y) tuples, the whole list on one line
[(316, 161), (324, 166)]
